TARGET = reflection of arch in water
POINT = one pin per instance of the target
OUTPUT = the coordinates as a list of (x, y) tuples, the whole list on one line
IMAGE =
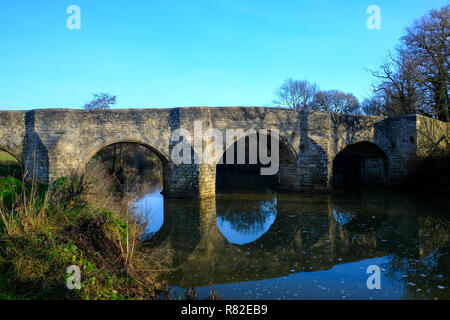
[(245, 226), (361, 163), (359, 222), (361, 211), (343, 218), (180, 230), (151, 206)]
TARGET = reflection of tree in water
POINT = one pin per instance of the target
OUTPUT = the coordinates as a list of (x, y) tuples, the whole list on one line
[(423, 279), (146, 187), (424, 272), (359, 222), (252, 219)]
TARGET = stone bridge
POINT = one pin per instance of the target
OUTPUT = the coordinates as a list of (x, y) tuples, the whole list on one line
[(317, 150)]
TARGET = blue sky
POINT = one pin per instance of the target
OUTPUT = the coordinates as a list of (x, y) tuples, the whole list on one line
[(168, 53)]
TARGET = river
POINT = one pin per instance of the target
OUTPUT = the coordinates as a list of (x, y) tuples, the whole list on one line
[(273, 245)]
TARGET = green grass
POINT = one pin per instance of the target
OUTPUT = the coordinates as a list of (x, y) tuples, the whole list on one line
[(52, 228), (9, 166), (6, 157), (34, 267), (10, 188)]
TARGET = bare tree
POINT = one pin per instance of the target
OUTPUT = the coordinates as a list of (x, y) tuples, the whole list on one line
[(415, 79), (397, 82), (296, 94), (101, 101), (336, 101), (373, 106), (427, 41)]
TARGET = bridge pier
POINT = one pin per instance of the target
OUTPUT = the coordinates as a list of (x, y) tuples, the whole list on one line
[(196, 181)]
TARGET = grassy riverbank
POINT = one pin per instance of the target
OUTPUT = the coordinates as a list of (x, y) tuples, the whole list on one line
[(9, 166), (75, 221)]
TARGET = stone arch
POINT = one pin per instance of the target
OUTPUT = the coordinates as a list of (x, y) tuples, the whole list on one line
[(291, 153), (163, 157), (360, 163), (288, 156)]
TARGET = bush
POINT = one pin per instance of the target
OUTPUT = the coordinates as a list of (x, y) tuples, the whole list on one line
[(431, 173), (10, 189)]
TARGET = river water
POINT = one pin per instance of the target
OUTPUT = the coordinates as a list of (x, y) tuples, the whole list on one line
[(272, 245)]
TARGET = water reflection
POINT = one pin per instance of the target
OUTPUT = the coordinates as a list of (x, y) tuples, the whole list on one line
[(151, 205), (244, 223), (288, 246), (363, 222)]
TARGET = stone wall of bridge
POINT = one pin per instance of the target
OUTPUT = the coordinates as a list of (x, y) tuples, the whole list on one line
[(54, 142)]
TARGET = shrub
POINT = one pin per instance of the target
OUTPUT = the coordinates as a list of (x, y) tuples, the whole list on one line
[(10, 189), (431, 172), (76, 221)]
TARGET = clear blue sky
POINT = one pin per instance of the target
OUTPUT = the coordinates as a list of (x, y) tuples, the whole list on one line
[(168, 53)]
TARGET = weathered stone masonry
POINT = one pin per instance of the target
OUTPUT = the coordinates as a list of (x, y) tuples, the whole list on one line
[(53, 142)]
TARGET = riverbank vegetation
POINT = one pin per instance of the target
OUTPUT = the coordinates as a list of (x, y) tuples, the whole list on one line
[(430, 173), (9, 166), (75, 221)]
